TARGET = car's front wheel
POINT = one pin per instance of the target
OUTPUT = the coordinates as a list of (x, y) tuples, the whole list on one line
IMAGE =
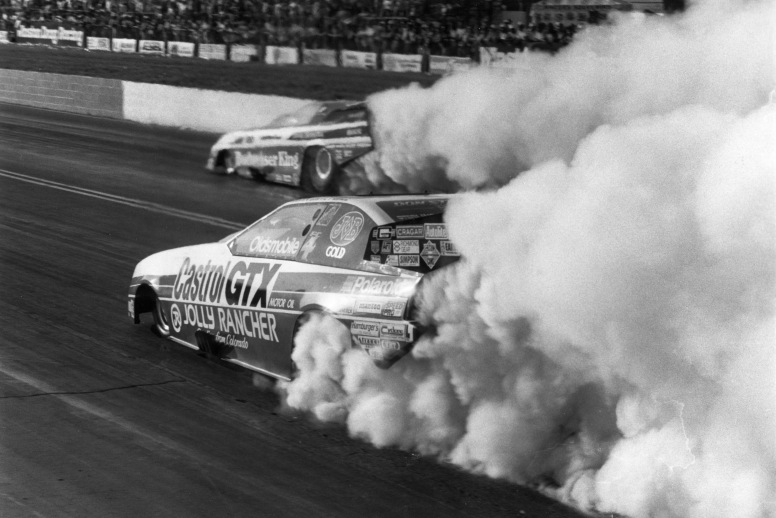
[(319, 170), (161, 320)]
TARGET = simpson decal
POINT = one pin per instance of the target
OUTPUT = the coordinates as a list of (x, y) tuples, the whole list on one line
[(406, 261), (347, 228)]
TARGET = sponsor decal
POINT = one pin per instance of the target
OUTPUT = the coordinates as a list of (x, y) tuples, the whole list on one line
[(393, 331), (175, 317), (281, 303), (410, 231), (374, 258), (327, 215), (449, 248), (365, 328), (368, 341), (392, 260), (347, 228), (386, 233), (376, 285), (131, 308), (336, 252), (374, 246), (151, 46), (231, 340), (430, 254), (309, 245), (409, 246), (374, 233), (393, 309), (369, 306), (406, 261), (262, 159), (391, 345), (386, 247), (282, 247), (253, 324), (307, 135), (238, 284), (436, 231)]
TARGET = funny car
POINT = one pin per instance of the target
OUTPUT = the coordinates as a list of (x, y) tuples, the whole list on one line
[(243, 299), (305, 148)]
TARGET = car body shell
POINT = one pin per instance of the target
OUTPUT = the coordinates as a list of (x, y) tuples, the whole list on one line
[(359, 260), (278, 151)]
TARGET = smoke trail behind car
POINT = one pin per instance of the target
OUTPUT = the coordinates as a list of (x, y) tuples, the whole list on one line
[(609, 333)]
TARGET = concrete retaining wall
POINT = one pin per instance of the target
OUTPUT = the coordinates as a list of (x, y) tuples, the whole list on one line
[(204, 110), (79, 94)]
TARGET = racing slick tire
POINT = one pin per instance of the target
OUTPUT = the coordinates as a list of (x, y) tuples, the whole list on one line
[(161, 320), (229, 162), (319, 170)]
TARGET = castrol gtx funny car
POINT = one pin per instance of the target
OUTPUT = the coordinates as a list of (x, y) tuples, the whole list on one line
[(358, 259), (305, 148)]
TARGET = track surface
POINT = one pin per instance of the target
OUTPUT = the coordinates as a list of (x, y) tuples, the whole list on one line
[(99, 417)]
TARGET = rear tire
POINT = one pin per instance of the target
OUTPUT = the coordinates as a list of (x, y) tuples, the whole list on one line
[(319, 170), (229, 162)]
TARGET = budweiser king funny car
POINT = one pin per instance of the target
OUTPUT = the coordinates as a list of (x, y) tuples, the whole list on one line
[(305, 148), (358, 259)]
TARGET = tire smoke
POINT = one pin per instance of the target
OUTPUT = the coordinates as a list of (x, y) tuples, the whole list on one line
[(610, 333)]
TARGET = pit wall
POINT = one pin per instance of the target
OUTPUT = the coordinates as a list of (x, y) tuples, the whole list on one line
[(203, 110)]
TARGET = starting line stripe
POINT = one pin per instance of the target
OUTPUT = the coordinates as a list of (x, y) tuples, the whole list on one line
[(131, 202)]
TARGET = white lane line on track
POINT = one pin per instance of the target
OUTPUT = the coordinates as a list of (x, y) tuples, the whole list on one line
[(140, 204)]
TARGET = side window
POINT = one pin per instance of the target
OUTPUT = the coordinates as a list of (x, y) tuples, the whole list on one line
[(338, 238), (279, 235), (352, 115)]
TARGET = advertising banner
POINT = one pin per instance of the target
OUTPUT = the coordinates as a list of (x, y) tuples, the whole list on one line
[(183, 49), (355, 59), (491, 58), (320, 57), (242, 53), (212, 51), (4, 37), (446, 65), (151, 47), (50, 33), (123, 45), (402, 62), (281, 55), (95, 43)]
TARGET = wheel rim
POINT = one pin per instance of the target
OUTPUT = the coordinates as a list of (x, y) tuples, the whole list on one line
[(323, 164), (160, 318)]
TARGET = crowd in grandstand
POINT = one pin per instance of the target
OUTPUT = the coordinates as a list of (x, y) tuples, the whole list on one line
[(396, 26)]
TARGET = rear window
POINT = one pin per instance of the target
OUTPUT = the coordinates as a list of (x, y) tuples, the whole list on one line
[(403, 210)]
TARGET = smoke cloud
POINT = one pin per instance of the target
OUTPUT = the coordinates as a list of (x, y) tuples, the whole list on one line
[(613, 341)]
